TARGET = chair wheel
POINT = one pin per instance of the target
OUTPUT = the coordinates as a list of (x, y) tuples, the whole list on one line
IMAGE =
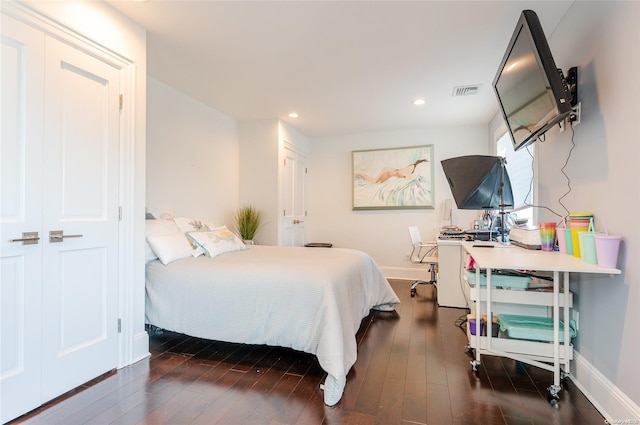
[(413, 292)]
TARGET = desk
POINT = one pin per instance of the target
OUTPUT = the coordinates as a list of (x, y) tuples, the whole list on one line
[(501, 257), (450, 293)]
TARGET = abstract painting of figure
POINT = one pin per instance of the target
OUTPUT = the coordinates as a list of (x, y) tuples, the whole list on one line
[(393, 178)]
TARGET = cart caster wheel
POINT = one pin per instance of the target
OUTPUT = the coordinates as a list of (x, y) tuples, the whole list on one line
[(553, 396), (475, 365)]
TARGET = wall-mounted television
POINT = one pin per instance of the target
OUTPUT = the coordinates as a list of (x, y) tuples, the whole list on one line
[(532, 92)]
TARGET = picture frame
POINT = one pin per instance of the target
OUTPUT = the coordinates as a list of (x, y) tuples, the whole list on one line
[(393, 178)]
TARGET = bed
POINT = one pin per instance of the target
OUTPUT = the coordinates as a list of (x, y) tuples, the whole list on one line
[(308, 299)]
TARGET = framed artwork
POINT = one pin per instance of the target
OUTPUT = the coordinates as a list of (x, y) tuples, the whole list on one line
[(394, 178)]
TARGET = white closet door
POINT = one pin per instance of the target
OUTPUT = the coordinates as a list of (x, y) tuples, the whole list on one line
[(80, 200), (22, 80), (294, 198)]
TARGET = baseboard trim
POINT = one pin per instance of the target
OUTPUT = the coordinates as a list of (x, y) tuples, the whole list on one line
[(404, 273), (140, 347), (610, 401)]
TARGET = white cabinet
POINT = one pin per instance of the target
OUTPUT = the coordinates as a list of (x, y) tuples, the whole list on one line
[(450, 283), (60, 158)]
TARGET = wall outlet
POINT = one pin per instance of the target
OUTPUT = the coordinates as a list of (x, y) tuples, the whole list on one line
[(575, 315)]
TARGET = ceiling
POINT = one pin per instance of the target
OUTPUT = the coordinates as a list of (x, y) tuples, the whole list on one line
[(343, 66)]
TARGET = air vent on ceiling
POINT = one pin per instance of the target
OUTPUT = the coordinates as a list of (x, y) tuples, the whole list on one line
[(466, 90)]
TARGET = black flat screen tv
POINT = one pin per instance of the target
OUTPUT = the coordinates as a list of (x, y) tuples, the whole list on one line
[(532, 92)]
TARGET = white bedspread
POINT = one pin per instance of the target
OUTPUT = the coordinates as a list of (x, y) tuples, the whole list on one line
[(308, 299)]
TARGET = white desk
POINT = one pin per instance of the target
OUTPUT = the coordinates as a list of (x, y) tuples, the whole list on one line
[(503, 257)]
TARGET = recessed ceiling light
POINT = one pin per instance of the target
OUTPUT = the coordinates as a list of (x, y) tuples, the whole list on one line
[(419, 102), (293, 115)]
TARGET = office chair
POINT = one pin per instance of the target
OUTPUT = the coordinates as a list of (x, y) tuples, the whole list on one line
[(423, 254)]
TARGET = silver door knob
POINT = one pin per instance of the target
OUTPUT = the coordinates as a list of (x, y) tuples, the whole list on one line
[(28, 238), (58, 236)]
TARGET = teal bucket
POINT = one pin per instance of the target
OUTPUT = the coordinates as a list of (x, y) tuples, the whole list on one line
[(588, 247), (568, 240)]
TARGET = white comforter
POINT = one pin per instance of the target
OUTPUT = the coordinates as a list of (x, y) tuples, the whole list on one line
[(309, 299)]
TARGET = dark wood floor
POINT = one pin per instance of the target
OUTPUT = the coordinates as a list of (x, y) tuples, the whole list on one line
[(412, 368)]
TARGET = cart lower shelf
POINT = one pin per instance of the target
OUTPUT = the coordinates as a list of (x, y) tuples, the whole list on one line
[(540, 351)]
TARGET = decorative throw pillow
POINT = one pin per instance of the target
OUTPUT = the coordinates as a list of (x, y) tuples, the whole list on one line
[(187, 225), (170, 247), (160, 213), (217, 242), (158, 228)]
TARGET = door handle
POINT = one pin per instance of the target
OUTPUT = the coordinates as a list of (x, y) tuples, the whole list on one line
[(58, 236), (28, 238), (298, 221)]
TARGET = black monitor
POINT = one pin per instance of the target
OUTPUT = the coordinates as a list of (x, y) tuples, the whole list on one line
[(479, 182), (532, 92)]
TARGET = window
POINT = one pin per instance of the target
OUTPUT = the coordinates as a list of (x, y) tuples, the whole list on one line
[(520, 169)]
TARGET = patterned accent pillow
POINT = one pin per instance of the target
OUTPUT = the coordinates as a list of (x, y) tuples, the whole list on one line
[(187, 225), (217, 242), (160, 213)]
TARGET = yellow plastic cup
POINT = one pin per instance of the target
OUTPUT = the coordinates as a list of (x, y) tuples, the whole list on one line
[(575, 240)]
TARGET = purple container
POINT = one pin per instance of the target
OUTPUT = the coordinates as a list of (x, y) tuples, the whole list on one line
[(472, 326)]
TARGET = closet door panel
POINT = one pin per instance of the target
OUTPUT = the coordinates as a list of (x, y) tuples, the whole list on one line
[(293, 195), (81, 202), (22, 76)]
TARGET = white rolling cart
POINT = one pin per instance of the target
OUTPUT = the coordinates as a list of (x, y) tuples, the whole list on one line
[(540, 354)]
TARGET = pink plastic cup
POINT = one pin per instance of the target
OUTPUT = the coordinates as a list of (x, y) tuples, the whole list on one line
[(562, 241)]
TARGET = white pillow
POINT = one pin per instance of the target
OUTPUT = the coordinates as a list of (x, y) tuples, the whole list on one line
[(195, 225), (157, 228), (170, 247), (217, 242)]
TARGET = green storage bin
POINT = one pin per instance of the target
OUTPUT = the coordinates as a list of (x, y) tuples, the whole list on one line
[(498, 280), (532, 328)]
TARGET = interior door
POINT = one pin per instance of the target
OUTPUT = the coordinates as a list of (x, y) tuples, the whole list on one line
[(22, 77), (80, 263), (294, 198)]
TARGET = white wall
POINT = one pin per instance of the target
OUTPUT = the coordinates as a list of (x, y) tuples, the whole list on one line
[(382, 233), (192, 156), (602, 39), (259, 159)]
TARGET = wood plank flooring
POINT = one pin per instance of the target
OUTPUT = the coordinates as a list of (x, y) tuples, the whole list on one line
[(412, 369)]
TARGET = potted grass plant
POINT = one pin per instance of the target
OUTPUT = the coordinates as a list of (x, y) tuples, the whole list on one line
[(247, 221)]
